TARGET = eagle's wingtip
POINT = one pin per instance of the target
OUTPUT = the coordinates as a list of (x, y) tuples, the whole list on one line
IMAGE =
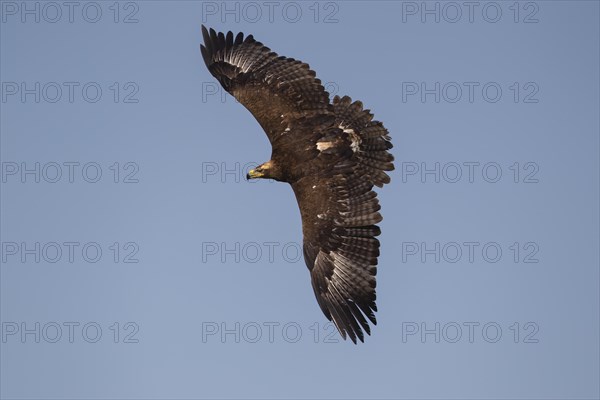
[(206, 38), (204, 32)]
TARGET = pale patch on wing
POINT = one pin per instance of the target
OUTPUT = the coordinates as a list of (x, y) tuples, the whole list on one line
[(355, 144), (324, 145)]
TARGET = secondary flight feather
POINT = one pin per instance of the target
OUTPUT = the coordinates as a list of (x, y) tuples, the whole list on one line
[(332, 153)]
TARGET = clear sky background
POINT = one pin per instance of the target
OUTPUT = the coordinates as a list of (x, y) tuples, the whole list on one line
[(169, 275)]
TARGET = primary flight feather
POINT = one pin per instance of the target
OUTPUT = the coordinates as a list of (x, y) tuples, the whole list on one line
[(331, 153)]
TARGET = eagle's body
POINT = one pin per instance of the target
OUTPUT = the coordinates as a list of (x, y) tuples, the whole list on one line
[(332, 154)]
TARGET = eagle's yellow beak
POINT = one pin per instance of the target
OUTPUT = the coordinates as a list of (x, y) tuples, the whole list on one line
[(253, 173)]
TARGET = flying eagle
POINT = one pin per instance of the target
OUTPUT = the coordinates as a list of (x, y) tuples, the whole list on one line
[(331, 153)]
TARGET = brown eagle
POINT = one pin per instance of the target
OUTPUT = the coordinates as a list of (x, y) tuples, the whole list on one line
[(331, 153)]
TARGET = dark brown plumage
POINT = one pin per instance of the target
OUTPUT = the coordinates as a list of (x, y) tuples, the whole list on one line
[(331, 153)]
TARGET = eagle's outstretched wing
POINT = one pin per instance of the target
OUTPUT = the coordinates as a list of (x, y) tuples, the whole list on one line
[(268, 85), (339, 216)]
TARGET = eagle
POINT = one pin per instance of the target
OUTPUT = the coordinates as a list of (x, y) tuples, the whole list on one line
[(332, 154)]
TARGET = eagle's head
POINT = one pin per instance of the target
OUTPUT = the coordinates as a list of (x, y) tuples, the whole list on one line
[(268, 170)]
